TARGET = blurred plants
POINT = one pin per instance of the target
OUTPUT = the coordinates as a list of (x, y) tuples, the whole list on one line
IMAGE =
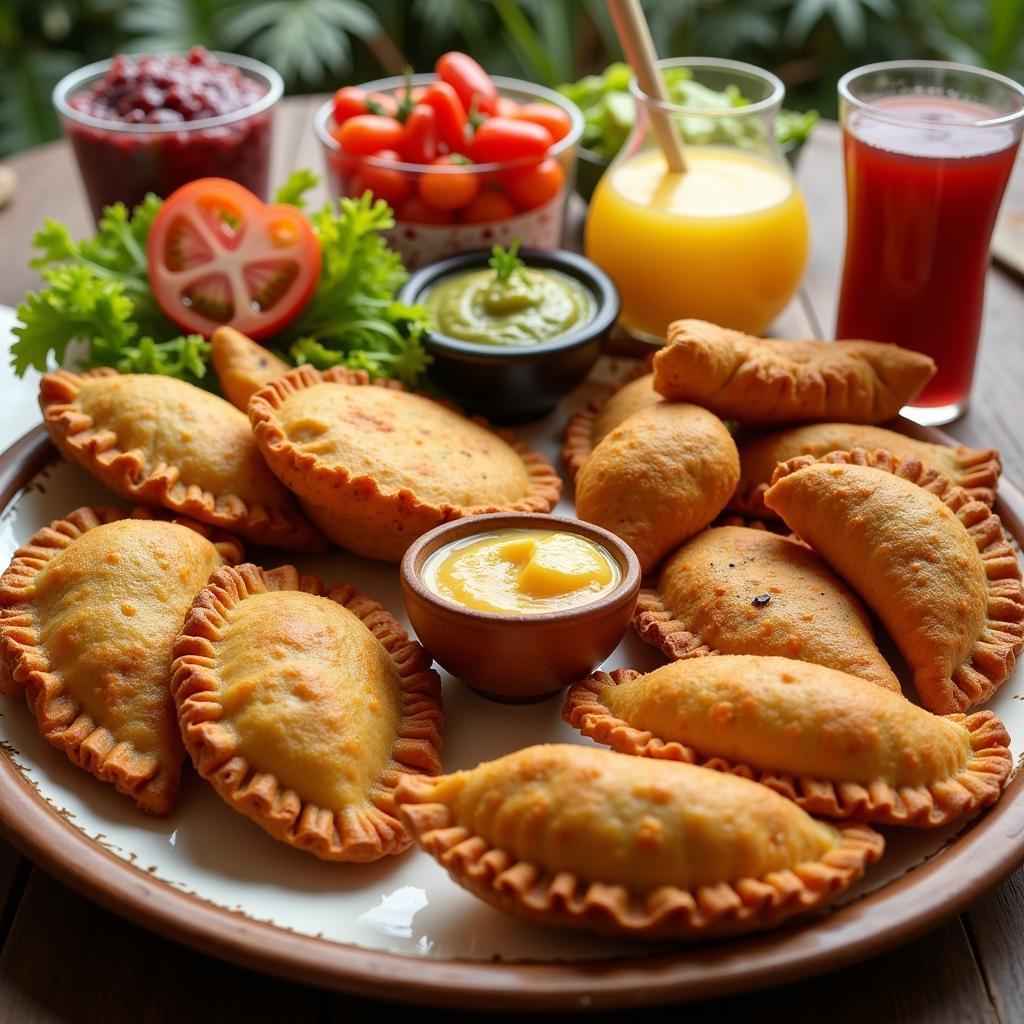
[(320, 44)]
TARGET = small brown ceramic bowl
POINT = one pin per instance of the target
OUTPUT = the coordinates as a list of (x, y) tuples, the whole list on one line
[(518, 658)]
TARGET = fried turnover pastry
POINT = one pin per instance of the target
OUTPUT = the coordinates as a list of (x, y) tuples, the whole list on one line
[(305, 709), (166, 442), (754, 380), (242, 365), (658, 478), (584, 838), (934, 565), (976, 470), (377, 466), (587, 429), (835, 744), (89, 610), (735, 590)]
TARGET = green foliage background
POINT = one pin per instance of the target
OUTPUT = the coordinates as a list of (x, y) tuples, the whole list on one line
[(318, 45)]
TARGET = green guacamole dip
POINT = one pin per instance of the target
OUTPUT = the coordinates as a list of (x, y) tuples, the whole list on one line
[(530, 306)]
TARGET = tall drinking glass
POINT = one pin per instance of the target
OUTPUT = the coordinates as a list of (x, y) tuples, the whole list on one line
[(929, 148)]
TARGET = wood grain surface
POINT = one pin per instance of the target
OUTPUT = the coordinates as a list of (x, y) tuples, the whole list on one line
[(64, 959)]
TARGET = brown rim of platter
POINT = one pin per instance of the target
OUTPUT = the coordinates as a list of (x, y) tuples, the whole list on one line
[(951, 879)]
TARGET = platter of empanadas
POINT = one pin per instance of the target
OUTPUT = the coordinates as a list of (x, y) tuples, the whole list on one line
[(218, 718)]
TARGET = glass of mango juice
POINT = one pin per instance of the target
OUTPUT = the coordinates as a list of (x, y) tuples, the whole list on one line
[(724, 240)]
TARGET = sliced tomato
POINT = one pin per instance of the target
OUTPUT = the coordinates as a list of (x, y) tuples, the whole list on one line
[(219, 255), (550, 116), (418, 144), (530, 187), (368, 133), (451, 118), (502, 138), (448, 189), (469, 80)]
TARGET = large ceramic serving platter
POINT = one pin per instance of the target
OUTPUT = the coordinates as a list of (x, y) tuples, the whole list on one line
[(400, 928)]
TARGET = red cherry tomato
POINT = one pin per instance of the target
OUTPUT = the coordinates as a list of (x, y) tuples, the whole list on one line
[(490, 205), (415, 211), (448, 189), (507, 107), (387, 183), (451, 118), (218, 255), (368, 133), (349, 102), (534, 186), (502, 138), (469, 81), (419, 140), (549, 116)]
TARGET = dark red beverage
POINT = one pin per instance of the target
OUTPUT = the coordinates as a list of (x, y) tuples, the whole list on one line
[(922, 199)]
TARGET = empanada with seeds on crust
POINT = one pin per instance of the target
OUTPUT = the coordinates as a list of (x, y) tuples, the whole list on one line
[(89, 611), (976, 470), (166, 442), (934, 565), (305, 709), (583, 838), (658, 478), (587, 429), (835, 744), (754, 380), (377, 466), (242, 365), (736, 590)]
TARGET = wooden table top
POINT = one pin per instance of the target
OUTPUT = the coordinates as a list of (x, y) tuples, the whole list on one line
[(65, 959)]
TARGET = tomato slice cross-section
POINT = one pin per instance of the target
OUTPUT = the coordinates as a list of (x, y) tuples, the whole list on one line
[(219, 255)]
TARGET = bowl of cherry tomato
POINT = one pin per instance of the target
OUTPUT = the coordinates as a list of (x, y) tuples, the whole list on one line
[(466, 160)]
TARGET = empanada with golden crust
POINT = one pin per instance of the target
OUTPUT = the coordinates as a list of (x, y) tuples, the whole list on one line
[(242, 365), (305, 709), (754, 380), (735, 590), (89, 610), (976, 470), (587, 429), (934, 565), (583, 838), (377, 466), (834, 743), (658, 478), (163, 441)]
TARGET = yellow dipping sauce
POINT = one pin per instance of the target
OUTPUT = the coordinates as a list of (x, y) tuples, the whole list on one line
[(521, 571)]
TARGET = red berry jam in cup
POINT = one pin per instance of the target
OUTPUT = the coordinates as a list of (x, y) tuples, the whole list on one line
[(152, 123)]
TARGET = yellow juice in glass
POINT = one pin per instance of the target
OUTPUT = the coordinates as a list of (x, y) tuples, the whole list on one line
[(724, 241)]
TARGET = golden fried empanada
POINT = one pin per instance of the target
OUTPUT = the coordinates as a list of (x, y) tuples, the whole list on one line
[(584, 838), (304, 710), (89, 610), (835, 744), (242, 365), (976, 470), (734, 590), (163, 441), (376, 466), (934, 565), (658, 478), (753, 380), (587, 429)]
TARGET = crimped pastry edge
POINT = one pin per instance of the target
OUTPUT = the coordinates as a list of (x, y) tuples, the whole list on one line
[(526, 890), (363, 834), (127, 472), (61, 720), (1002, 637), (977, 785)]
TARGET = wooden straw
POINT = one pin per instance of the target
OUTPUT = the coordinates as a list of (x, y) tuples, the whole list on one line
[(637, 45)]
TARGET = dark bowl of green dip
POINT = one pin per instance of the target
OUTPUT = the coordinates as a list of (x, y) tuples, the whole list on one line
[(511, 349)]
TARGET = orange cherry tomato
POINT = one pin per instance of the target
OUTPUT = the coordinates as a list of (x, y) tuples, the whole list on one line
[(548, 115), (530, 187), (469, 81), (368, 133), (448, 189), (504, 138), (415, 211), (490, 205), (451, 118), (217, 254), (387, 183), (419, 138)]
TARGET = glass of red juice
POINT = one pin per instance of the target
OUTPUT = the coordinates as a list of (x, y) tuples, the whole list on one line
[(929, 147)]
